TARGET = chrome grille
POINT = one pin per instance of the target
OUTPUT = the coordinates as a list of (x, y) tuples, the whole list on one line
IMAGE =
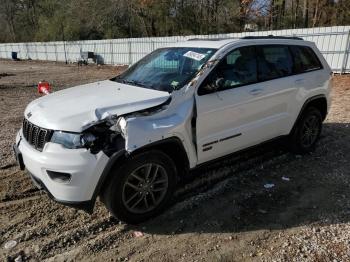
[(36, 136)]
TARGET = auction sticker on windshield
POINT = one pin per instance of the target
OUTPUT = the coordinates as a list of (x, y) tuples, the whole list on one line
[(194, 55)]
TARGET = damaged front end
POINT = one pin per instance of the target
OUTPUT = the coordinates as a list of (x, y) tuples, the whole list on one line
[(106, 136), (109, 135)]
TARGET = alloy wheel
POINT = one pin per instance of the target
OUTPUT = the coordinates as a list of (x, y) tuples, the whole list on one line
[(310, 131), (145, 188)]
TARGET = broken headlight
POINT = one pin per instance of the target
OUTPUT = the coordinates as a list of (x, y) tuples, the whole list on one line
[(73, 140)]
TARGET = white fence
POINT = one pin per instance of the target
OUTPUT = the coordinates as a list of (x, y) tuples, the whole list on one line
[(334, 43)]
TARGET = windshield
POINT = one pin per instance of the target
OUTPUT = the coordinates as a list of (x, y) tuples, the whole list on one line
[(166, 69)]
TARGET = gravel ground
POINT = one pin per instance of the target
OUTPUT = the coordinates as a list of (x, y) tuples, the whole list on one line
[(222, 212)]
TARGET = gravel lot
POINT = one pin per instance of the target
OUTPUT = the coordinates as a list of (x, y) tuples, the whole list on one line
[(222, 212)]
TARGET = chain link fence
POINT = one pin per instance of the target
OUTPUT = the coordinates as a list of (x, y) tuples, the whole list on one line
[(333, 42)]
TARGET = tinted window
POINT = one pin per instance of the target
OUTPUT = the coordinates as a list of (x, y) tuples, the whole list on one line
[(304, 59), (238, 68), (274, 62)]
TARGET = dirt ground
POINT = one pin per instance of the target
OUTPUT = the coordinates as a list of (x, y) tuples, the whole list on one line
[(220, 213)]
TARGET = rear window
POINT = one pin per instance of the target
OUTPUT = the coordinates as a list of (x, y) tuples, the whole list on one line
[(304, 59)]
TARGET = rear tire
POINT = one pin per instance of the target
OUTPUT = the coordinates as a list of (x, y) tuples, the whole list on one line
[(306, 132), (141, 187)]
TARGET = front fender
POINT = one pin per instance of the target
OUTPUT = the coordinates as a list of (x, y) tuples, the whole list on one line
[(172, 122)]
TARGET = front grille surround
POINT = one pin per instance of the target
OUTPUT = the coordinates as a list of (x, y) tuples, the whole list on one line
[(36, 136)]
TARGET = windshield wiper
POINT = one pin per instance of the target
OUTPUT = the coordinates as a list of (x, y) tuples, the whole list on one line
[(140, 84), (124, 81), (134, 83)]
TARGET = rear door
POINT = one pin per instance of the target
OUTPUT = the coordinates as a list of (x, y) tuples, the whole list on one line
[(251, 105), (276, 71)]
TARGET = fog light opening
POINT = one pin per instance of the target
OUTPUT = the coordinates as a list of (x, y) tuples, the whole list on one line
[(59, 177)]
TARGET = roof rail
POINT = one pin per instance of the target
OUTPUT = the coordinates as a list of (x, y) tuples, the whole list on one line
[(211, 39), (272, 37), (246, 37)]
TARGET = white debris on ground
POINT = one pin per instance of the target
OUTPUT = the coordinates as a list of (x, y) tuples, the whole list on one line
[(10, 244), (268, 186), (138, 234)]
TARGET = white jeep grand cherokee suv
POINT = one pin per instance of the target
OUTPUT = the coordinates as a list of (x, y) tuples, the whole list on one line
[(129, 139)]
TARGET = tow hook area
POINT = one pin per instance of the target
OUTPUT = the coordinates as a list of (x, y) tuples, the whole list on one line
[(18, 155)]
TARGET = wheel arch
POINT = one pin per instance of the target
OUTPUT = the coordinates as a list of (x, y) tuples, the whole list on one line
[(172, 147), (319, 102)]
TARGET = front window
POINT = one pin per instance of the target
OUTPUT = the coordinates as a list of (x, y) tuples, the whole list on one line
[(166, 69), (238, 68)]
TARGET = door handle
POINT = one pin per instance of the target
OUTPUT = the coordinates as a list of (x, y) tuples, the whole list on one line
[(299, 81), (255, 92)]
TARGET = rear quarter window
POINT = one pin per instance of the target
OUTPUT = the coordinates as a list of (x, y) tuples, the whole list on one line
[(305, 59)]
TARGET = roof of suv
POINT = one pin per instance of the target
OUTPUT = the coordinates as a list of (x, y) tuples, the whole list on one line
[(205, 43), (220, 42)]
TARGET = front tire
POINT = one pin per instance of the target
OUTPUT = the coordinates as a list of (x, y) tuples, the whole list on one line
[(141, 187), (306, 133)]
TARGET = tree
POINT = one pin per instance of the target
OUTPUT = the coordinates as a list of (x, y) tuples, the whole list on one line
[(49, 20)]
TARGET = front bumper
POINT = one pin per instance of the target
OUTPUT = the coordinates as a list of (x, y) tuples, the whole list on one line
[(87, 206), (85, 170)]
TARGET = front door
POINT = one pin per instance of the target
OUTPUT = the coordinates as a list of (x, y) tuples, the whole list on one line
[(234, 109)]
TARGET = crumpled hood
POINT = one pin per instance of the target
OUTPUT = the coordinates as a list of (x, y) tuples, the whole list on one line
[(73, 109)]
